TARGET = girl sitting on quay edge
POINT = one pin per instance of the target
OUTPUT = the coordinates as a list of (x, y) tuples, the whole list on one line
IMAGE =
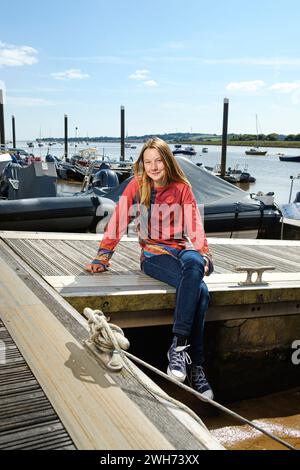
[(167, 209)]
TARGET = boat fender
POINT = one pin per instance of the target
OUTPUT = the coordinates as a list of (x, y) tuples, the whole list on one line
[(50, 158), (104, 166), (105, 178)]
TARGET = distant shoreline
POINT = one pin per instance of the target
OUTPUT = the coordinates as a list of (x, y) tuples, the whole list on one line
[(250, 143), (204, 143)]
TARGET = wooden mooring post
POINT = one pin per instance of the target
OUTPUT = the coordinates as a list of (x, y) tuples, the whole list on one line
[(122, 157), (2, 126), (13, 123), (224, 137), (66, 136)]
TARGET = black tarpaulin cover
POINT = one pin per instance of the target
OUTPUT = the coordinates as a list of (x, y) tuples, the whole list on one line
[(215, 194)]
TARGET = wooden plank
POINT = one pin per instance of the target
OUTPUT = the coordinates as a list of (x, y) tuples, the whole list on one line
[(252, 242), (96, 413), (40, 436), (27, 235), (132, 281), (6, 234), (65, 257), (27, 418)]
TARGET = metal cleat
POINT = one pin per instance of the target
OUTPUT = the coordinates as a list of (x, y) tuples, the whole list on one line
[(250, 270)]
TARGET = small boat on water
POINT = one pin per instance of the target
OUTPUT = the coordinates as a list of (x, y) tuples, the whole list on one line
[(236, 175), (289, 158), (256, 151), (185, 151), (232, 175), (204, 150)]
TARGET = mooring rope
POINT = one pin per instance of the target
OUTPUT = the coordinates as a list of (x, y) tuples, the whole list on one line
[(109, 337)]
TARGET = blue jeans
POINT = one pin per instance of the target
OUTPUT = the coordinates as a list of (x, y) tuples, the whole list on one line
[(185, 272)]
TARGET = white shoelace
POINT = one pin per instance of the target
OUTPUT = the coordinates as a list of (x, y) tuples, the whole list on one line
[(181, 358)]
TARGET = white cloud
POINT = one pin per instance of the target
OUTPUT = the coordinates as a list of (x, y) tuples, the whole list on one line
[(253, 85), (16, 56), (28, 102), (143, 75), (151, 83), (139, 75), (285, 87), (72, 74)]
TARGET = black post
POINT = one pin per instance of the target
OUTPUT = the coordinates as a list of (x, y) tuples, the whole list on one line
[(224, 137), (2, 129), (13, 131), (122, 133), (66, 137)]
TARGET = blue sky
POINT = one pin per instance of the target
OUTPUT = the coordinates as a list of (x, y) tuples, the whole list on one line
[(169, 62)]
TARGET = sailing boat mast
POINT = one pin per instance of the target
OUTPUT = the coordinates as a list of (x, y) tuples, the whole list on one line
[(256, 130), (255, 150), (40, 143)]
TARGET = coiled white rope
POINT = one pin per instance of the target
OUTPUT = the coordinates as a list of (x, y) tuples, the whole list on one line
[(110, 339), (107, 338)]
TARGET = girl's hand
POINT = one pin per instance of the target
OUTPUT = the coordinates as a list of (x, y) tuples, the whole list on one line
[(94, 268), (205, 270)]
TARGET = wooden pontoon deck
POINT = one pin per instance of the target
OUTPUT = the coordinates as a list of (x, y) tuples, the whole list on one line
[(133, 299), (94, 409), (43, 287)]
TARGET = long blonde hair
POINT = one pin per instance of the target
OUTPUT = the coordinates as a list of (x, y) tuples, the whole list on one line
[(173, 170)]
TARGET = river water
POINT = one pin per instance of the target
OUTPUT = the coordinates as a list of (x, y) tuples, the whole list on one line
[(278, 413), (271, 174)]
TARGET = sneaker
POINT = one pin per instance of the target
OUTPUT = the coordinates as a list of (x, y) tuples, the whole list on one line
[(178, 360), (199, 382)]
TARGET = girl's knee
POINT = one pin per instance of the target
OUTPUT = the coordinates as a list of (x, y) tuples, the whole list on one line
[(191, 259)]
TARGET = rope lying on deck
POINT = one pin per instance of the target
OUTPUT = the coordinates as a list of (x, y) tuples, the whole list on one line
[(110, 339), (103, 337)]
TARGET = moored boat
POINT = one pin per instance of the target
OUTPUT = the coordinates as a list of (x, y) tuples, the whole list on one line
[(227, 210), (185, 151), (255, 151), (289, 158)]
